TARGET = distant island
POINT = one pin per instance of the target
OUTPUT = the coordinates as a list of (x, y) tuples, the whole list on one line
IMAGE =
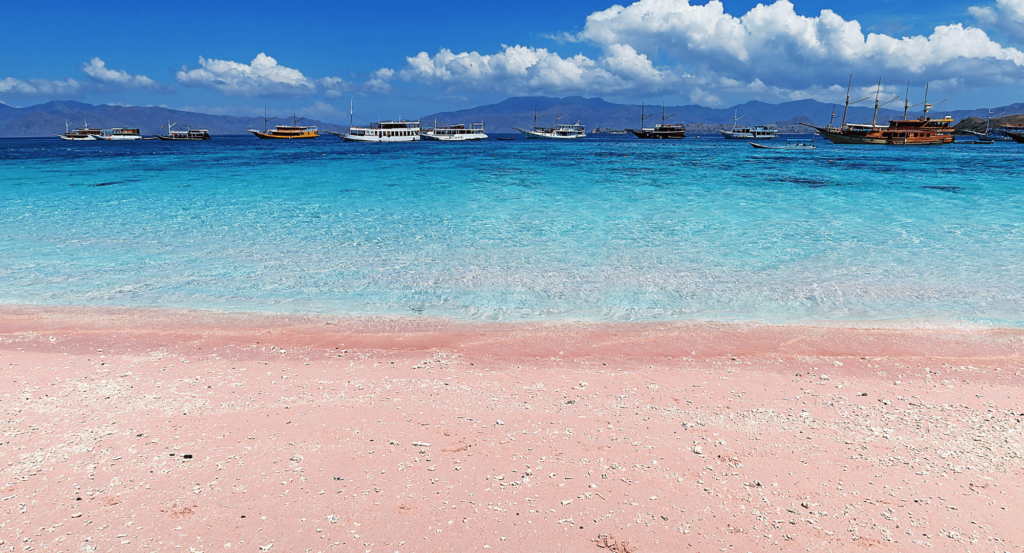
[(49, 119)]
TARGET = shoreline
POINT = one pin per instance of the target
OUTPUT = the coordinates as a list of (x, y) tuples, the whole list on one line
[(311, 433)]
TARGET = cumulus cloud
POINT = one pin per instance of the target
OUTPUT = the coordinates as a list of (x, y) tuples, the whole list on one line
[(335, 87), (262, 77), (1007, 16), (521, 69), (770, 52), (97, 69), (40, 87), (776, 45)]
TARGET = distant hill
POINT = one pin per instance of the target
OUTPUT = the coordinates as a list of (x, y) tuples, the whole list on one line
[(597, 113), (977, 124), (48, 119)]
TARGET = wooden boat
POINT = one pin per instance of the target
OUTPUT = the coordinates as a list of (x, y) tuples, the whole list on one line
[(791, 144), (1015, 132), (189, 134), (923, 131), (662, 131), (285, 132), (81, 134)]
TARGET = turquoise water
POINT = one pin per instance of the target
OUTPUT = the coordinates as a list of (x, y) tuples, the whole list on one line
[(597, 229)]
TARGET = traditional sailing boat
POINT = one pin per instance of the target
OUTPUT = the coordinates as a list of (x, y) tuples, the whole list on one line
[(293, 131), (663, 131), (923, 131), (559, 131)]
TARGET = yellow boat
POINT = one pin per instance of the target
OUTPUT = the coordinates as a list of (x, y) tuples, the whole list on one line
[(286, 131)]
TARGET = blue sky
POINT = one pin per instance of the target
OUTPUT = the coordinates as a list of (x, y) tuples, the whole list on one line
[(413, 58)]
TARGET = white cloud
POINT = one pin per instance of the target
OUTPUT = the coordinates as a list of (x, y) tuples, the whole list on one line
[(262, 77), (98, 70), (39, 87), (335, 86), (770, 52), (1007, 16), (776, 45), (520, 70)]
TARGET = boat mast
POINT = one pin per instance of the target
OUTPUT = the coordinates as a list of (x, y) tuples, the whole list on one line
[(906, 103), (351, 103), (926, 106), (847, 108), (266, 120), (874, 118), (663, 117), (643, 117), (849, 103)]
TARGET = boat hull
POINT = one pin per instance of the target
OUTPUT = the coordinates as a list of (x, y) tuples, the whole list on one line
[(269, 136), (730, 135), (1016, 137), (77, 138), (120, 137), (789, 148), (656, 135), (453, 138), (839, 138), (380, 139), (174, 139), (548, 136)]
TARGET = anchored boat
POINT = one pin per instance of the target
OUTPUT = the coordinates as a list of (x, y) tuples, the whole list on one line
[(285, 132), (83, 133), (759, 132), (119, 134), (558, 132), (455, 133), (1015, 132), (189, 134), (383, 131), (923, 131), (662, 131)]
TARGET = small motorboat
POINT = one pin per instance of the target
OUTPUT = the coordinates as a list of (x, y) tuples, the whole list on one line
[(507, 138), (791, 144)]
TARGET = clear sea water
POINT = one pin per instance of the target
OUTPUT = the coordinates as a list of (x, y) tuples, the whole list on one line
[(600, 229)]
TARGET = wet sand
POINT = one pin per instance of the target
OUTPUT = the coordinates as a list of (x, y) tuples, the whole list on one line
[(149, 430)]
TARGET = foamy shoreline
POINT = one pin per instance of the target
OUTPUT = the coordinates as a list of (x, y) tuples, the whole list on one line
[(542, 436)]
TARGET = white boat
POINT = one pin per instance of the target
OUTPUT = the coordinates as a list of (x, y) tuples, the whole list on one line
[(119, 134), (83, 133), (385, 131), (455, 133), (759, 132), (558, 132), (382, 131), (791, 144)]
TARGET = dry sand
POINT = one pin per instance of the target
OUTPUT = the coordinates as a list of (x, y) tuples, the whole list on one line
[(137, 430)]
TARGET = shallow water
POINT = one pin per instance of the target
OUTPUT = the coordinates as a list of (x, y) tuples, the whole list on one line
[(597, 229)]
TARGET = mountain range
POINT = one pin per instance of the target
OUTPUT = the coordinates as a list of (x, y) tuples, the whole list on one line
[(49, 119), (597, 113)]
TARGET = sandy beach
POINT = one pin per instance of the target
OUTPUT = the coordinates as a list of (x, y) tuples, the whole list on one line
[(149, 430)]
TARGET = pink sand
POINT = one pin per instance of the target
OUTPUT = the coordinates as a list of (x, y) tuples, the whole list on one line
[(309, 434)]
